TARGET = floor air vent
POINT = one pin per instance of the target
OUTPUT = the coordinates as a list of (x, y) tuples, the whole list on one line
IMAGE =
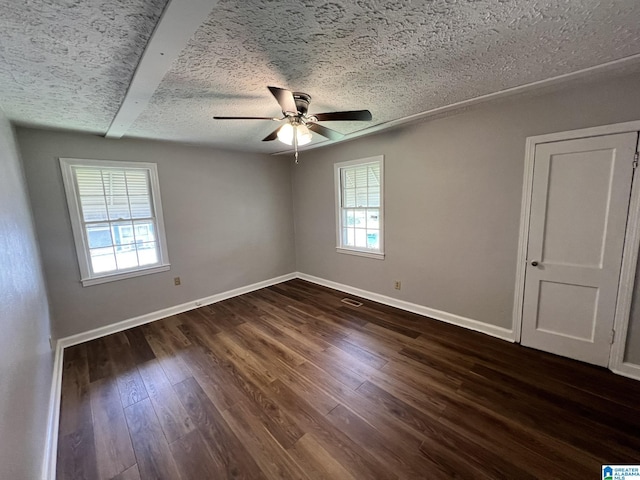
[(353, 303)]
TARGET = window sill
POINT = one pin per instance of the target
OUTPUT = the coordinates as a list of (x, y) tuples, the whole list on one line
[(87, 282), (360, 253)]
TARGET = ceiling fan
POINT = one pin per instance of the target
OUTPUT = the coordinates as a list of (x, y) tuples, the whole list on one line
[(297, 130)]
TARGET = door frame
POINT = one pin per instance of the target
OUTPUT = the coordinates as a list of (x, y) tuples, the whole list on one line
[(629, 254)]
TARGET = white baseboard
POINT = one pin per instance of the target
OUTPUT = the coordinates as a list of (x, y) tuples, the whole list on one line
[(53, 418), (167, 312), (494, 331), (626, 369)]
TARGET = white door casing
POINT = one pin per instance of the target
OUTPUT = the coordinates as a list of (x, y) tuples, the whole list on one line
[(579, 205)]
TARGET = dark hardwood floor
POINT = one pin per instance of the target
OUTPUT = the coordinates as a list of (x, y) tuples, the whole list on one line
[(288, 382)]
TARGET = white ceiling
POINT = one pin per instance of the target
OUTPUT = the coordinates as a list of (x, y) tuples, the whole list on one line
[(68, 63)]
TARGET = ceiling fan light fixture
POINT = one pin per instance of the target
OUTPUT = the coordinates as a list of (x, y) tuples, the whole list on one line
[(286, 132)]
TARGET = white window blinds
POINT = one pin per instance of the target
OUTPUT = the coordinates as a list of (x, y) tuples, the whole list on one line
[(360, 206)]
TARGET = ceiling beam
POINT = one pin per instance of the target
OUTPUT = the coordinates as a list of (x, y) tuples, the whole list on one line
[(179, 21)]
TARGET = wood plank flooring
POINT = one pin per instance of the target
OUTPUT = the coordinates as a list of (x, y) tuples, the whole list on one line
[(289, 382)]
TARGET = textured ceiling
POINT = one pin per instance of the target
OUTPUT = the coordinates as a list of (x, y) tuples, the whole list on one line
[(67, 63)]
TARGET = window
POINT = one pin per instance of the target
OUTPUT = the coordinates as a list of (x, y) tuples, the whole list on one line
[(359, 207), (116, 218)]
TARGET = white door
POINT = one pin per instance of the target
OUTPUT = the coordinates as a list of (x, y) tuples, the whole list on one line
[(577, 226)]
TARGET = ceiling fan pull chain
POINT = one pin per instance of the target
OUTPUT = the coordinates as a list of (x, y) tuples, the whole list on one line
[(295, 144)]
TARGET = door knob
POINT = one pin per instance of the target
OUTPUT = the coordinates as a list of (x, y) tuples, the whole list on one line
[(534, 264)]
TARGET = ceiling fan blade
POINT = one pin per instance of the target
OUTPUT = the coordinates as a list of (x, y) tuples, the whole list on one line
[(325, 132), (245, 118), (363, 115), (272, 136), (285, 99)]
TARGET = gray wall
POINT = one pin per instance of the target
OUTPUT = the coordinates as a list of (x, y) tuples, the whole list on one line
[(26, 360), (452, 199), (228, 220)]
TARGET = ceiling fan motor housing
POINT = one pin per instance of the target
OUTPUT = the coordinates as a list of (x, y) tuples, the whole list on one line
[(302, 102)]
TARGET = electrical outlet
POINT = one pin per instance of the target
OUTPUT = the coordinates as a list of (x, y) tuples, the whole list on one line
[(397, 284), (176, 281)]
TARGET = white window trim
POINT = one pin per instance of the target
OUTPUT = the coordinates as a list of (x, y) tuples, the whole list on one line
[(82, 248), (338, 200)]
